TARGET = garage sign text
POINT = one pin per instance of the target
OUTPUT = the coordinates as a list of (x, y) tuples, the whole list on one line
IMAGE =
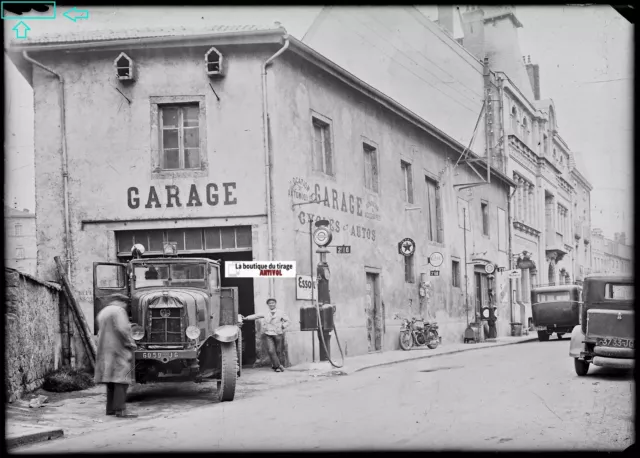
[(173, 198)]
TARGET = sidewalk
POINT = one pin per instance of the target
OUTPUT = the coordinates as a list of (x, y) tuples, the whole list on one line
[(354, 364), (74, 414)]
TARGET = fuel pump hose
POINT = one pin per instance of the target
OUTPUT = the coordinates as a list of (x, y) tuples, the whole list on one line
[(321, 333)]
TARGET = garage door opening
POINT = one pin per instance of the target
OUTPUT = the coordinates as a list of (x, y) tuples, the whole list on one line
[(222, 244)]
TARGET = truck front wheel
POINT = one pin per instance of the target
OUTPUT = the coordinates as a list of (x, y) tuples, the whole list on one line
[(228, 371), (582, 366)]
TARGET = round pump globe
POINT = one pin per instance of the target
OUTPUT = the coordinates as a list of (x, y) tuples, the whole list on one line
[(137, 332), (193, 332)]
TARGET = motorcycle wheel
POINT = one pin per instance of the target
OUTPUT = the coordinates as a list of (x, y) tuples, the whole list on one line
[(406, 340), (434, 340)]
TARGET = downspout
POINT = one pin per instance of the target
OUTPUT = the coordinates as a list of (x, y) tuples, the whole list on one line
[(65, 168), (267, 159)]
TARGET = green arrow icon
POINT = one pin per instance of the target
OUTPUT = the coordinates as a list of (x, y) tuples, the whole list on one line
[(74, 14), (21, 30)]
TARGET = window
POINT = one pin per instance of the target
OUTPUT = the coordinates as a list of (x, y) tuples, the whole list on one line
[(434, 212), (370, 167), (514, 120), (484, 207), (613, 291), (455, 273), (322, 147), (179, 136), (18, 230), (545, 144), (20, 253), (557, 296), (407, 181), (408, 269)]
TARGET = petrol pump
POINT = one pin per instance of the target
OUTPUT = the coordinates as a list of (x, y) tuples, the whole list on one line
[(319, 316)]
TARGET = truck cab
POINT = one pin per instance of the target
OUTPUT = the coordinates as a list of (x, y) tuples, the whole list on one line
[(184, 323), (606, 333)]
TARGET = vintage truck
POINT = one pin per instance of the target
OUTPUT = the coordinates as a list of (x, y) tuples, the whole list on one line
[(606, 333), (184, 323), (555, 309)]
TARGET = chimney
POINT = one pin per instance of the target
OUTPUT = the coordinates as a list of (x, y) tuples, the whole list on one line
[(533, 70), (445, 18)]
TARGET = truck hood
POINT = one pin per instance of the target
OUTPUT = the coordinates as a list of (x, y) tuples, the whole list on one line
[(194, 301)]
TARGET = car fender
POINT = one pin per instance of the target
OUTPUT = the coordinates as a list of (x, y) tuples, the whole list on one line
[(226, 333), (576, 346)]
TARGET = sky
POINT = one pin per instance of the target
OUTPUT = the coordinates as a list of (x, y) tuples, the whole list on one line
[(585, 54)]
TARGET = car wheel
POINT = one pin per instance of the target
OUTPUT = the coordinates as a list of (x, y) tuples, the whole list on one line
[(228, 372), (582, 366), (543, 336)]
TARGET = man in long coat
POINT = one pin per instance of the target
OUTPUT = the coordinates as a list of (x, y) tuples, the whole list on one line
[(114, 361)]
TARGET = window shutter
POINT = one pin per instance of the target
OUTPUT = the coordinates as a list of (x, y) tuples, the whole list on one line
[(439, 218)]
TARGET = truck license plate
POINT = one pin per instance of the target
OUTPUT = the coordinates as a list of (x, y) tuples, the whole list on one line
[(170, 355), (622, 343)]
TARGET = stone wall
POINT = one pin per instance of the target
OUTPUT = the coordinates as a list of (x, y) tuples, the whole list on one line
[(34, 333)]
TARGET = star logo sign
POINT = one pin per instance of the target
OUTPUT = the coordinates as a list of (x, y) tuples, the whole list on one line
[(407, 247)]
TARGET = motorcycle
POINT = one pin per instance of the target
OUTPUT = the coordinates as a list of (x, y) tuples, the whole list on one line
[(416, 331)]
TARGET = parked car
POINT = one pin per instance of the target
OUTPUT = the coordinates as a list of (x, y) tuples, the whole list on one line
[(605, 336), (184, 323), (555, 309)]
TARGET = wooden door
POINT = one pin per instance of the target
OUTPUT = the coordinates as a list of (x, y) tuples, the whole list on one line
[(375, 319)]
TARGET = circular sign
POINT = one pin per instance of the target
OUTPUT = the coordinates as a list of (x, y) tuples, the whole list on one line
[(165, 313), (486, 313), (489, 268), (322, 236), (407, 247), (436, 259)]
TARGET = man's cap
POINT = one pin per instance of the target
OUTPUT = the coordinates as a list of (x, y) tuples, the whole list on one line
[(272, 299)]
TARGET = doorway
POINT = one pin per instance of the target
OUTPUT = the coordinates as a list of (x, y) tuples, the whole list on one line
[(246, 305), (375, 318)]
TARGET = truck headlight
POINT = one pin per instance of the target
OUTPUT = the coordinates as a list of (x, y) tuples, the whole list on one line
[(137, 332), (193, 332)]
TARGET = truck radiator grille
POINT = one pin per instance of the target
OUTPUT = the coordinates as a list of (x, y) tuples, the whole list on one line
[(167, 328)]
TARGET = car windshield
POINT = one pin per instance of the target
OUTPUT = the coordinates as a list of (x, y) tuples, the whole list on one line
[(620, 292), (555, 296), (187, 274)]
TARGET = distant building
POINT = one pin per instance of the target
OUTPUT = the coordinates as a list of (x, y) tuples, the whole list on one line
[(611, 256), (549, 209), (20, 249)]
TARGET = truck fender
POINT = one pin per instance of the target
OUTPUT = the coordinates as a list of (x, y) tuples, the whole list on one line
[(576, 346), (227, 333)]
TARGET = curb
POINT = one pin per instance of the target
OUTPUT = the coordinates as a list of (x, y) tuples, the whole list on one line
[(43, 435), (451, 352)]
